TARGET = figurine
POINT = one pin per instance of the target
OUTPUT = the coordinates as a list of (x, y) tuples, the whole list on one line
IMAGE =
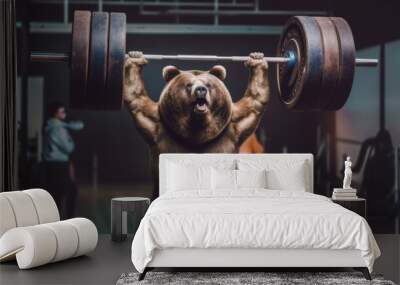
[(347, 174)]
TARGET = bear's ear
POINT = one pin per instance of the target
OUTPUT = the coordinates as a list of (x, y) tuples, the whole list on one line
[(170, 72), (218, 71)]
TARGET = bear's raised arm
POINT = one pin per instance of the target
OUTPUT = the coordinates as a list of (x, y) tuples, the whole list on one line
[(247, 111), (143, 110)]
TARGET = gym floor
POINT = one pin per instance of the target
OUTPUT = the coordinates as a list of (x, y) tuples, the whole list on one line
[(110, 259)]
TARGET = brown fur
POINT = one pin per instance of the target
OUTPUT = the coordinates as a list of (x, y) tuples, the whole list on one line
[(174, 125)]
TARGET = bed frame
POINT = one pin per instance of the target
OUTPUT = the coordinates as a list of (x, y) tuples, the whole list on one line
[(249, 257)]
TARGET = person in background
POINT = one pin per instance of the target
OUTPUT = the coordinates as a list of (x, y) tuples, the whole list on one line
[(57, 148)]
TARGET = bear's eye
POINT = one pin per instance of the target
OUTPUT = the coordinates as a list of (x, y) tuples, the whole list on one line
[(189, 86), (208, 85)]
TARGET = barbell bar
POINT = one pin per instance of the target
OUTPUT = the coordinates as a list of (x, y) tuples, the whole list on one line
[(315, 61), (64, 57)]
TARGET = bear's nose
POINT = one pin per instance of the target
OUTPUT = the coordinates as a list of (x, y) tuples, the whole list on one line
[(200, 92)]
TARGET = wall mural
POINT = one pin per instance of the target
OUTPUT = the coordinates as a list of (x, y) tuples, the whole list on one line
[(115, 156)]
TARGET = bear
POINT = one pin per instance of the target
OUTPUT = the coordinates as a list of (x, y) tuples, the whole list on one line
[(195, 112)]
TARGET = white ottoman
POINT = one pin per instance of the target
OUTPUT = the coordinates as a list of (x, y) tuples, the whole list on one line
[(31, 232)]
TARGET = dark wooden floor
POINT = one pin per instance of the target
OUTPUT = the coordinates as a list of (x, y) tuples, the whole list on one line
[(103, 266), (106, 264)]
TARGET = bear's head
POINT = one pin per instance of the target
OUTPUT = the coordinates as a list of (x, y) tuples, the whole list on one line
[(195, 105)]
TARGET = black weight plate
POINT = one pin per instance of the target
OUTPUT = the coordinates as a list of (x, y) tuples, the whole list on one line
[(347, 62), (330, 62), (303, 93), (116, 59), (79, 63), (96, 96)]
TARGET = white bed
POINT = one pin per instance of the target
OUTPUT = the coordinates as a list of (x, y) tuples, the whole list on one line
[(249, 227)]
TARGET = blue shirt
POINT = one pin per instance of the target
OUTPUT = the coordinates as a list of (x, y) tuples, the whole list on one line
[(58, 143)]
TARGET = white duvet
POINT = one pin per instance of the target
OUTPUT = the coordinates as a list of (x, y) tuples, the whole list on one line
[(253, 218)]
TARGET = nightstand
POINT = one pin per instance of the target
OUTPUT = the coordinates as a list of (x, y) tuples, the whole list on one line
[(120, 207), (357, 205)]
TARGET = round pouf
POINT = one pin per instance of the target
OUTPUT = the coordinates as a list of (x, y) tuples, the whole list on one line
[(120, 207)]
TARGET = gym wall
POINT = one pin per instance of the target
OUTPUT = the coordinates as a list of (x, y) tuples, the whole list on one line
[(392, 102), (359, 118), (360, 121)]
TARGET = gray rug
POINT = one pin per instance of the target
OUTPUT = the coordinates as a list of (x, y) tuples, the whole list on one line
[(243, 278)]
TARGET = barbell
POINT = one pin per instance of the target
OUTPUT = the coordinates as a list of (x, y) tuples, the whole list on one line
[(315, 61)]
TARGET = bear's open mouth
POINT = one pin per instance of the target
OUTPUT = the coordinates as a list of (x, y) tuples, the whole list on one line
[(201, 105)]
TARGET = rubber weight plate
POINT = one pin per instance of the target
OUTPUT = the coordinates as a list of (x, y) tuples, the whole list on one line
[(347, 57), (79, 63), (299, 87), (330, 62), (96, 96), (116, 59)]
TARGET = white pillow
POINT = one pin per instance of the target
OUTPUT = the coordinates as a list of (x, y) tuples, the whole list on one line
[(282, 174), (226, 179), (223, 179), (181, 178), (290, 179), (203, 161), (251, 178)]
